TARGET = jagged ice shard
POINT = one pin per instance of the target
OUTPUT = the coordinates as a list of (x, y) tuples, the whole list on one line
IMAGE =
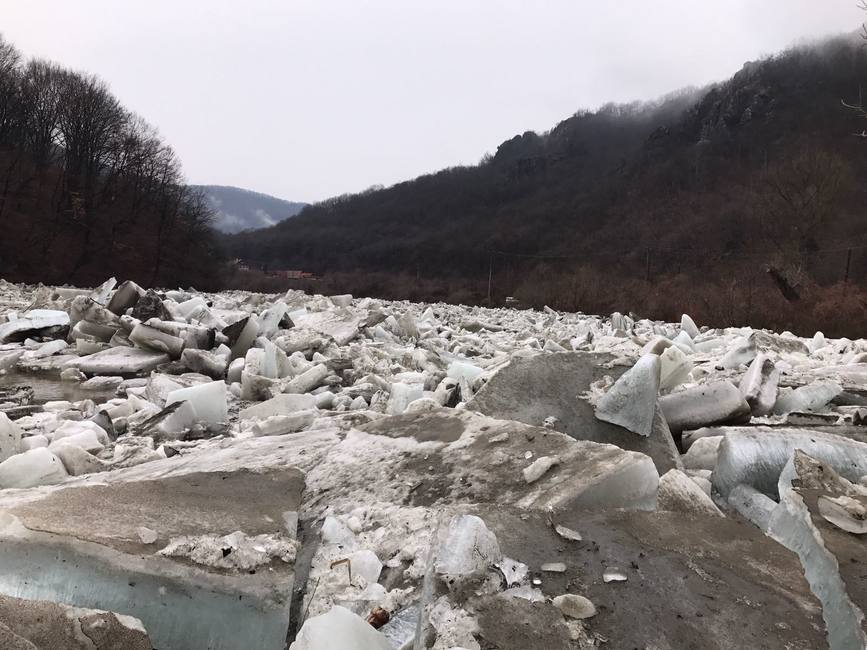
[(792, 525), (631, 401)]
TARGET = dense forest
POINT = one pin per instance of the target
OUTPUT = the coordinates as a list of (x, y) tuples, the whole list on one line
[(88, 189), (738, 203)]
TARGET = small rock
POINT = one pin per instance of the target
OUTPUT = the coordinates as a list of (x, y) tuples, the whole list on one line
[(567, 533), (575, 606), (844, 512), (613, 575), (537, 468), (146, 535)]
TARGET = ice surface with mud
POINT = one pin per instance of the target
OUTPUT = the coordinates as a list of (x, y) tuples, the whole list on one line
[(322, 472)]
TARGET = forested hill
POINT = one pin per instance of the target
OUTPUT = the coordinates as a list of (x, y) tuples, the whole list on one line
[(238, 209), (750, 182), (88, 189)]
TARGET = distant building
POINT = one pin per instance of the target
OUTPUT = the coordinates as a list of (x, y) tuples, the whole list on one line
[(291, 274)]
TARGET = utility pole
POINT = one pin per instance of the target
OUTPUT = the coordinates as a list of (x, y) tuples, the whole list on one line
[(647, 265), (490, 275)]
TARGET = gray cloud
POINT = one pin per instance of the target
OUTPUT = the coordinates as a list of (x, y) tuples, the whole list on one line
[(308, 99)]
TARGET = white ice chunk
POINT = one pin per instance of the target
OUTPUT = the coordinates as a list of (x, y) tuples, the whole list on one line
[(246, 337), (190, 306), (679, 493), (282, 404), (401, 396), (807, 398), (742, 351), (324, 400), (757, 455), (539, 467), (75, 459), (119, 361), (31, 468), (86, 440), (208, 401), (278, 425), (47, 349), (514, 572), (462, 370), (688, 325), (702, 453), (684, 342), (752, 505), (271, 317), (10, 437), (308, 380), (704, 405), (817, 342), (335, 531), (759, 385), (631, 401), (364, 563), (75, 429), (674, 368), (236, 367), (33, 320), (152, 338), (469, 548), (33, 442)]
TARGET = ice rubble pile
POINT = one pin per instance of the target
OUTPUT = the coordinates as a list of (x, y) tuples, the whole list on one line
[(374, 401)]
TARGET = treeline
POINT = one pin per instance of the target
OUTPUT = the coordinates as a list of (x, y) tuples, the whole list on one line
[(89, 189), (739, 200)]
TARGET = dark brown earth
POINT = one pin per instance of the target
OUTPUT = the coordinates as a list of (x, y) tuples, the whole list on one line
[(703, 583), (29, 624)]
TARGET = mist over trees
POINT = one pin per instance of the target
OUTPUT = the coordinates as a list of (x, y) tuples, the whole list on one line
[(88, 188), (737, 203)]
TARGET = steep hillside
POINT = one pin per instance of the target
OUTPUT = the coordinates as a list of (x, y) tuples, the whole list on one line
[(238, 209), (741, 196), (88, 189)]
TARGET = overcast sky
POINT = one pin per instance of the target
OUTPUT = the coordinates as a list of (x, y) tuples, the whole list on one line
[(309, 99)]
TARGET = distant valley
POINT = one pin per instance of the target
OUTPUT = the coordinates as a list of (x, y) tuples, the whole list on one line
[(238, 209)]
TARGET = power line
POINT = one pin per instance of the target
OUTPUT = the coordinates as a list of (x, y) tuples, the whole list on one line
[(697, 251)]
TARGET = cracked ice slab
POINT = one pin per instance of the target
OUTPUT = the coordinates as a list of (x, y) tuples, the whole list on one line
[(119, 361), (341, 324), (704, 405), (35, 319), (531, 389), (483, 459), (81, 542), (83, 545)]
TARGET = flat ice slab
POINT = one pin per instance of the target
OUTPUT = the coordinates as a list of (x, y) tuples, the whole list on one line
[(119, 361), (64, 547)]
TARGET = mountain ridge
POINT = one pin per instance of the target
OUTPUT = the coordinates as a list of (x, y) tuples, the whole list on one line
[(237, 209)]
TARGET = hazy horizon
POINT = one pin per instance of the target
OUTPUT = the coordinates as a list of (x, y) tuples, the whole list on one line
[(307, 100)]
